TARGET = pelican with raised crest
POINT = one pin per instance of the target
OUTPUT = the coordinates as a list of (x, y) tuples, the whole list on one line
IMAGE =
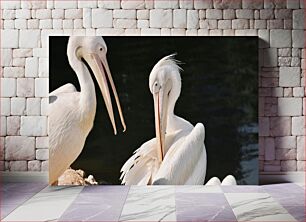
[(72, 113), (177, 156)]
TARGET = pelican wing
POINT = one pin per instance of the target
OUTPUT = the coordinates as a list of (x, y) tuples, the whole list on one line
[(185, 161), (67, 88), (140, 167)]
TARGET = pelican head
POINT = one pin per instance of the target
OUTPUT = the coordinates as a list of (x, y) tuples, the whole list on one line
[(93, 50), (165, 85)]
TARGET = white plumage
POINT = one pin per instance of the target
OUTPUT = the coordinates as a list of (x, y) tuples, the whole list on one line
[(71, 113), (177, 155)]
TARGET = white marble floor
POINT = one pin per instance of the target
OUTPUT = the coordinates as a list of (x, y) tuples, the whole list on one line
[(37, 202)]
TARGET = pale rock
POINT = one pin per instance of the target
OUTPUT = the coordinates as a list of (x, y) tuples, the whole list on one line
[(271, 168), (203, 4), (288, 92), (8, 24), (45, 165), (102, 18), (264, 126), (142, 24), (132, 32), (252, 4), (18, 106), (34, 165), (165, 32), (132, 4), (150, 32), (8, 14), (166, 4), (20, 23), (9, 38), (13, 72), (33, 24), (289, 76), (143, 14), (224, 24), (280, 126), (283, 13), (66, 4), (19, 148), (298, 92), (285, 154), (302, 4), (284, 61), (280, 38), (215, 32), (33, 126), (295, 62), (13, 125), (288, 24), (261, 24), (125, 23), (289, 106), (225, 4), (298, 126), (90, 32), (58, 13), (298, 19), (29, 38), (25, 87), (284, 52), (42, 142), (5, 106), (109, 31), (228, 14), (207, 24), (288, 165), (43, 68), (68, 24), (50, 4), (45, 24), (187, 4), (42, 154), (87, 18), (8, 87), (19, 62), (44, 106), (269, 149), (298, 38), (191, 32), (264, 38), (245, 14), (87, 4), (293, 4), (18, 166), (160, 18), (179, 18), (10, 5), (202, 14), (33, 106), (240, 24), (124, 14), (277, 92), (214, 14), (192, 19), (149, 4), (33, 4), (79, 32), (301, 166), (109, 4), (73, 13), (178, 32), (3, 132), (285, 142), (43, 13), (301, 148), (57, 23), (22, 53), (41, 87)]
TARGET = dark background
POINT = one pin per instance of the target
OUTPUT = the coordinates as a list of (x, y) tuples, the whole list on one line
[(219, 89)]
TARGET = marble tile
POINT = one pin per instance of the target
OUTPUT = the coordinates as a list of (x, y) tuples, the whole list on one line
[(257, 207), (149, 203), (97, 203), (298, 212), (6, 210), (47, 205), (203, 207), (22, 187), (242, 189), (198, 189), (290, 199), (283, 188)]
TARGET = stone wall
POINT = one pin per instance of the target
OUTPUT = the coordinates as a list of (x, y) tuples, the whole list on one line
[(26, 26)]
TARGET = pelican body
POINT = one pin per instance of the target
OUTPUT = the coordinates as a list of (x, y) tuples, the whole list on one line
[(177, 156), (72, 113)]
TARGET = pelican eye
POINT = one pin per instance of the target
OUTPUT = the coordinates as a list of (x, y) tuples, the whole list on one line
[(101, 49)]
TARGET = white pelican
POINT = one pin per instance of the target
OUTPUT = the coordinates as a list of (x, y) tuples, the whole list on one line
[(177, 155), (72, 113)]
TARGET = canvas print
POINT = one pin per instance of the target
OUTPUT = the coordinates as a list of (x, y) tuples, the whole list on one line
[(153, 110)]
